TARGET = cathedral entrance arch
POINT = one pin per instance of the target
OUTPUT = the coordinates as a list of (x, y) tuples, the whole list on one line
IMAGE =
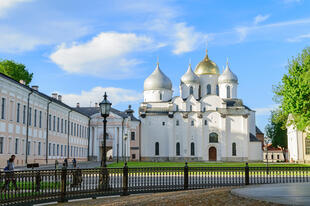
[(212, 154)]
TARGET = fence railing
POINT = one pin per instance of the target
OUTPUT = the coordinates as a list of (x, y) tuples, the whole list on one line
[(40, 186)]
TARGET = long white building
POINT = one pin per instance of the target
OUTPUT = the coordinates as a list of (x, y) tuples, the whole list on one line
[(37, 127), (206, 122)]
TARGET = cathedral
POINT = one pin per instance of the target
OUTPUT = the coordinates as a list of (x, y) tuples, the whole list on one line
[(207, 122)]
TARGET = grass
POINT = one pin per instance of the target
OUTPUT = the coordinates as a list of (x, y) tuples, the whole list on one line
[(202, 164), (30, 185)]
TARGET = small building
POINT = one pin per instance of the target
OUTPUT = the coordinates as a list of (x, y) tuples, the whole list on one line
[(274, 154), (123, 134)]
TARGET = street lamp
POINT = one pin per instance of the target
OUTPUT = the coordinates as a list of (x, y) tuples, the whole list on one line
[(105, 107), (125, 138)]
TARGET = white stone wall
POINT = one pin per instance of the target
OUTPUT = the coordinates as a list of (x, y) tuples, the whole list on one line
[(154, 95)]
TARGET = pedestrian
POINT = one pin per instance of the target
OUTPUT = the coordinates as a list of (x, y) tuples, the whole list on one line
[(77, 176), (9, 174), (65, 162), (74, 162)]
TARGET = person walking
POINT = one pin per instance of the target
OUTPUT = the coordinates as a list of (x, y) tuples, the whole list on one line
[(74, 162), (9, 174)]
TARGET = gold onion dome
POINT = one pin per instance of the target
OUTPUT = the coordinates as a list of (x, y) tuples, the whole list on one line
[(207, 66)]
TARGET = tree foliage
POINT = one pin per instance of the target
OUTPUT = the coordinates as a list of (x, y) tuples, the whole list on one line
[(293, 92), (276, 130), (15, 70)]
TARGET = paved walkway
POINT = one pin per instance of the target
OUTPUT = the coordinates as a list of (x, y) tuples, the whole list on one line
[(290, 193)]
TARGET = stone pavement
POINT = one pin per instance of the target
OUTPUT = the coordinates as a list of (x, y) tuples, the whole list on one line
[(289, 193)]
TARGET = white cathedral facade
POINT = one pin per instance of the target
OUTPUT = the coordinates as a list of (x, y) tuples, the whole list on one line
[(207, 122)]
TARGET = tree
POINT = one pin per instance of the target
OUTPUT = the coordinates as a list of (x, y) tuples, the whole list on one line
[(276, 130), (16, 71), (293, 92)]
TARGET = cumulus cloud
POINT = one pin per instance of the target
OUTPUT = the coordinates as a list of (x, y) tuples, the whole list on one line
[(260, 18), (106, 55), (7, 4), (186, 38), (115, 95)]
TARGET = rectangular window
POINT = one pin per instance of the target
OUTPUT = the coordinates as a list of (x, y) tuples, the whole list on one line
[(71, 151), (54, 123), (17, 112), (61, 150), (176, 107), (35, 118), (77, 129), (307, 145), (24, 114), (57, 124), (57, 149), (65, 126), (39, 148), (3, 108), (16, 146), (54, 149), (28, 148), (30, 111), (62, 126), (1, 145), (40, 119), (74, 129), (133, 135), (49, 149), (50, 122), (65, 152)]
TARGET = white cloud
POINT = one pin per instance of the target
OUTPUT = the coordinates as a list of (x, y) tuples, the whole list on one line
[(7, 4), (264, 111), (299, 38), (115, 95), (186, 39), (13, 40), (106, 55), (260, 18)]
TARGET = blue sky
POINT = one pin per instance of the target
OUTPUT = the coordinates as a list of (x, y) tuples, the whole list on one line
[(82, 48)]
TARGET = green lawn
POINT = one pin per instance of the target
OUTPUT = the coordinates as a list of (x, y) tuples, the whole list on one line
[(202, 164)]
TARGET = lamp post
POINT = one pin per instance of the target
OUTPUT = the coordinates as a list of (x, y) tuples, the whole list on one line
[(125, 138), (105, 107)]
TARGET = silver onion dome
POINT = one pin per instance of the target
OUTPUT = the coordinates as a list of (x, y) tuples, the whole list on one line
[(157, 81), (189, 77), (228, 76)]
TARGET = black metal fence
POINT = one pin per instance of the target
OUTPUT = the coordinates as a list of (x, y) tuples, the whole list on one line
[(40, 186)]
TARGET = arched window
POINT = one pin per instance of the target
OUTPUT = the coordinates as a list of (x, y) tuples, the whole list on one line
[(190, 108), (217, 90), (209, 89), (213, 137), (234, 149), (160, 96), (228, 91), (178, 149), (156, 148), (192, 149), (191, 91), (177, 123), (176, 107)]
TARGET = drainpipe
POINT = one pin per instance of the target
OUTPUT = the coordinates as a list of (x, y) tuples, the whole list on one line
[(88, 134), (47, 122), (27, 127), (68, 150)]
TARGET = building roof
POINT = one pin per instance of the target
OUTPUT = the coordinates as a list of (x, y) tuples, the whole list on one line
[(157, 81), (253, 138), (89, 111), (258, 131), (40, 93)]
